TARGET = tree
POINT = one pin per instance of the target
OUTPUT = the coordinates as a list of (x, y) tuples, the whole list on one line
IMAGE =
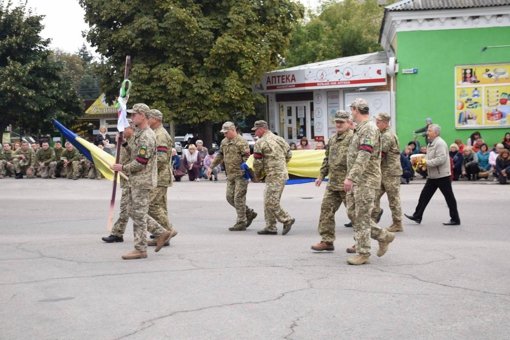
[(342, 29), (32, 87), (195, 61), (89, 82)]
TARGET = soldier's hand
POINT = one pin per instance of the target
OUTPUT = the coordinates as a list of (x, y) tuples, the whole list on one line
[(318, 182), (116, 167), (348, 185)]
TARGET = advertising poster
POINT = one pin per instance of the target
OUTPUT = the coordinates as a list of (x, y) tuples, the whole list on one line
[(481, 96)]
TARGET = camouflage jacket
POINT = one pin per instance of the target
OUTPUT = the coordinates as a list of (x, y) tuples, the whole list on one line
[(335, 160), (233, 152), (45, 156), (271, 155), (390, 154), (164, 148), (142, 167), (364, 158), (125, 157), (58, 153), (71, 156), (29, 156), (6, 155)]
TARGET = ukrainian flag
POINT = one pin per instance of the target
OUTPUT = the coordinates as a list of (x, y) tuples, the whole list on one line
[(100, 158)]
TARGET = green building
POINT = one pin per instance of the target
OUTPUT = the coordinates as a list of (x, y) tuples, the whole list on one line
[(452, 63)]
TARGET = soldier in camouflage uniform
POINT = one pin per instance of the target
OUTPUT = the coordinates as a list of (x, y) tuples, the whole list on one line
[(143, 177), (6, 165), (334, 167), (45, 158), (158, 207), (57, 148), (70, 160), (271, 155), (117, 233), (234, 151), (391, 170), (24, 161), (362, 180)]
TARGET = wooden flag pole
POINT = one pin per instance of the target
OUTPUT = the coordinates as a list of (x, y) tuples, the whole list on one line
[(117, 156)]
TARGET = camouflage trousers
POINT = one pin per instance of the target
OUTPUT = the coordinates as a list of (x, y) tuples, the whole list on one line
[(330, 204), (119, 228), (48, 170), (71, 170), (273, 211), (138, 211), (94, 173), (236, 197), (391, 186), (158, 206), (25, 169), (360, 202), (6, 168)]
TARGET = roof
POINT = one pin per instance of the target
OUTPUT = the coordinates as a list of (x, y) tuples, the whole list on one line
[(425, 5), (362, 59)]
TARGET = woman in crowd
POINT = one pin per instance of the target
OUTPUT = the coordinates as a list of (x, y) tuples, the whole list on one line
[(415, 147), (457, 159), (103, 136), (293, 146), (207, 164), (407, 169), (470, 167), (474, 136), (176, 165), (407, 152), (506, 141), (483, 158), (304, 144), (503, 166), (493, 156), (460, 145), (192, 162)]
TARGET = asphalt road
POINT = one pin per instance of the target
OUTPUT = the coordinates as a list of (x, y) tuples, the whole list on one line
[(60, 281)]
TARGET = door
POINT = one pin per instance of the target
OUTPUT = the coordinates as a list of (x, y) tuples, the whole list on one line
[(289, 123), (296, 122)]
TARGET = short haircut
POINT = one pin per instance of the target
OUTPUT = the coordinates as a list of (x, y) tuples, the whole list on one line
[(436, 128), (454, 146), (467, 148), (199, 142)]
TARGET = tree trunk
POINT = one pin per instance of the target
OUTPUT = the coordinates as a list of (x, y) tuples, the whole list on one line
[(205, 133), (3, 126)]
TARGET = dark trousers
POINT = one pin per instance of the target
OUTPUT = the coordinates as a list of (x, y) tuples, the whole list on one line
[(472, 170), (445, 185)]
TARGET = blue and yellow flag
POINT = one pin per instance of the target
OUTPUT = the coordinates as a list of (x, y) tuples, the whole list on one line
[(100, 158)]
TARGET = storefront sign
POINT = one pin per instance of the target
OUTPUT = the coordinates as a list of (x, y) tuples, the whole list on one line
[(482, 94), (323, 78)]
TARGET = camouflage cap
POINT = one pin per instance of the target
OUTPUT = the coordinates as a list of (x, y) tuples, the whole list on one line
[(259, 124), (227, 126), (342, 116), (360, 104), (383, 116), (153, 113), (140, 108)]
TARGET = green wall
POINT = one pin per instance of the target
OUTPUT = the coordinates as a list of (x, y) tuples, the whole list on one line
[(431, 92)]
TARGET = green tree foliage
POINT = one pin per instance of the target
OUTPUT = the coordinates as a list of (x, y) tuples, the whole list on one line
[(33, 88), (89, 83), (196, 61), (342, 29)]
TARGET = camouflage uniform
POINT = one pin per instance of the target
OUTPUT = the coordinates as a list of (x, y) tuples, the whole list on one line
[(72, 170), (158, 208), (84, 166), (48, 158), (143, 177), (364, 169), (6, 163), (58, 156), (391, 170), (119, 228), (335, 167), (271, 155), (22, 166), (235, 152)]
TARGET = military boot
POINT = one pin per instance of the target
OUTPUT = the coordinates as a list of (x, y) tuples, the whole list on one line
[(153, 242), (359, 259), (135, 254), (383, 245), (287, 226), (324, 246), (112, 238), (19, 175), (395, 227), (238, 227), (250, 217), (164, 238)]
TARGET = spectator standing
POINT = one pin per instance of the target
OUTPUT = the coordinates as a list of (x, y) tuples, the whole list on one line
[(506, 141), (457, 159), (474, 136), (103, 136), (424, 130), (193, 163), (470, 164)]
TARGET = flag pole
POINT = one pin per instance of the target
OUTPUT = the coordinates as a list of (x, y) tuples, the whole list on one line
[(123, 91)]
